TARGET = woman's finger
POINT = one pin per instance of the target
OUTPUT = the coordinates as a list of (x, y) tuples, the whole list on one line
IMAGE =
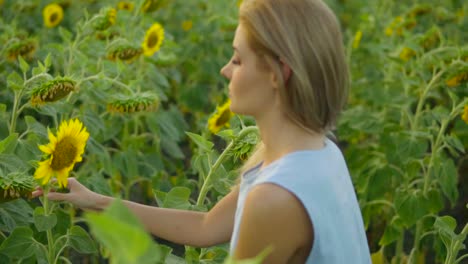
[(37, 193), (56, 196)]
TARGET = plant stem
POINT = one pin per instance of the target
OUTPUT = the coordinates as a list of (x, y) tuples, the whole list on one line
[(205, 188), (14, 114), (422, 99), (399, 247), (50, 238)]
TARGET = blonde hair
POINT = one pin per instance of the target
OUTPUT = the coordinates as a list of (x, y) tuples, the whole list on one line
[(304, 34)]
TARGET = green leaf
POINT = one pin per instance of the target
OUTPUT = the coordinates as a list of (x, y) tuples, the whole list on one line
[(35, 126), (15, 81), (445, 224), (446, 175), (434, 201), (445, 227), (455, 142), (7, 223), (48, 61), (177, 198), (13, 163), (123, 235), (8, 145), (402, 147), (23, 64), (20, 244), (172, 149), (256, 260), (392, 233), (201, 142), (20, 211), (65, 34), (411, 205), (81, 241), (43, 222)]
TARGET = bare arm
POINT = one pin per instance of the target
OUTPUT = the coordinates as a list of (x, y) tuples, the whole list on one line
[(185, 227)]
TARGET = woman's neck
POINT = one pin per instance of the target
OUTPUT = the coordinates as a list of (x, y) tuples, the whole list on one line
[(282, 136)]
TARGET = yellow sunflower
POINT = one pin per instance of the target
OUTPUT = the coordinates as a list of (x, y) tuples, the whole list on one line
[(465, 114), (153, 39), (220, 118), (65, 150), (125, 5), (187, 25), (53, 15)]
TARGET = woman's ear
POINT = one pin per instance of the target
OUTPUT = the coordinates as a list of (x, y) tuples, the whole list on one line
[(286, 71)]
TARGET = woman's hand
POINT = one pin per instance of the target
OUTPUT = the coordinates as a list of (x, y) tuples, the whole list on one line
[(79, 195)]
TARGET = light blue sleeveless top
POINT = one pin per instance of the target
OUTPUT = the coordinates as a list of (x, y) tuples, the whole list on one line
[(321, 181)]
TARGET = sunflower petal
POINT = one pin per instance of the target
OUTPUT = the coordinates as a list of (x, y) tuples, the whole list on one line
[(48, 149), (62, 178)]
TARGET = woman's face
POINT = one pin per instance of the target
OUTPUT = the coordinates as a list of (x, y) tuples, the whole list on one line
[(251, 89)]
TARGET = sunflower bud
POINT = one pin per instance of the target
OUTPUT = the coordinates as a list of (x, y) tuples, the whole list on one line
[(105, 19), (52, 91), (24, 48), (430, 39), (138, 103), (124, 53)]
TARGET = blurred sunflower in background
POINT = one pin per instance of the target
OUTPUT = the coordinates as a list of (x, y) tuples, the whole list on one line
[(53, 15), (125, 5), (465, 114), (153, 39), (220, 118), (64, 151)]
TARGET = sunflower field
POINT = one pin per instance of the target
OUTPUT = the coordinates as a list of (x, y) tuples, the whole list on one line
[(126, 97)]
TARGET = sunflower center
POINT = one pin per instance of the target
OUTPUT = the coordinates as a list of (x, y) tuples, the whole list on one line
[(53, 17), (223, 118), (153, 39), (64, 154)]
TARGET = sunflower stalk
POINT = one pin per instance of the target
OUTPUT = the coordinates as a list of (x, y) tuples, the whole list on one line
[(17, 109), (207, 183), (50, 237)]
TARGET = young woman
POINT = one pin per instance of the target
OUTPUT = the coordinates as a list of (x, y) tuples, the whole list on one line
[(288, 71)]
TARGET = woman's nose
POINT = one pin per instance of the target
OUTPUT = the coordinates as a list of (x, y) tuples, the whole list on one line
[(225, 71)]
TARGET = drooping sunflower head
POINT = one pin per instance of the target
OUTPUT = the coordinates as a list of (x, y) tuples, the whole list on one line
[(125, 5), (220, 118), (125, 53), (24, 48), (63, 151), (15, 185), (458, 77), (52, 91), (406, 53), (144, 102), (153, 39), (105, 19), (53, 15)]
